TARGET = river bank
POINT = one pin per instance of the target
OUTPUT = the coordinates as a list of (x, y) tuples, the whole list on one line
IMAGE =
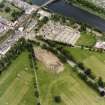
[(87, 8), (78, 14)]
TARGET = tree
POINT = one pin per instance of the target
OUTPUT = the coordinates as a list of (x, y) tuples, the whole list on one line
[(102, 93), (0, 72), (37, 94), (82, 47), (1, 5), (81, 65), (100, 82), (88, 72), (83, 27), (15, 14), (38, 103), (57, 99), (7, 9)]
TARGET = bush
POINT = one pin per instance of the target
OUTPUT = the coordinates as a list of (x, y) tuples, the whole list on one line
[(7, 9), (100, 82), (37, 94), (1, 5), (57, 99), (38, 103)]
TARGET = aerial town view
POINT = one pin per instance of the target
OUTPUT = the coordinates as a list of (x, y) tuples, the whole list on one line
[(52, 52)]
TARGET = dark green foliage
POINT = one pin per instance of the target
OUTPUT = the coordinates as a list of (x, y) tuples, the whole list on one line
[(57, 99)]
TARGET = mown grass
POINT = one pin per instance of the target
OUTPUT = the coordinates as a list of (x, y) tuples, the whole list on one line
[(67, 85), (93, 60), (86, 39), (16, 83)]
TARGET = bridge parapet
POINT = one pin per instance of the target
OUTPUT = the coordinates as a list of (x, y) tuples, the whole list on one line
[(48, 2)]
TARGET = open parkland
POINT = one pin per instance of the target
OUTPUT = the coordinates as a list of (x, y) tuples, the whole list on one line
[(29, 81)]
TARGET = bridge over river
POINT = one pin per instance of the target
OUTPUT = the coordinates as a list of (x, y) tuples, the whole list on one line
[(48, 2), (27, 7)]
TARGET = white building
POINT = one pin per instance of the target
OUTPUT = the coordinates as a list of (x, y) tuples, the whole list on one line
[(100, 45), (4, 50), (44, 13)]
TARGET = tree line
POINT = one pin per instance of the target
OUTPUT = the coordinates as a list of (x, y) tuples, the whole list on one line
[(83, 72)]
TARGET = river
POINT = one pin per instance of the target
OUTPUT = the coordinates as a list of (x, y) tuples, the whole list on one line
[(78, 14)]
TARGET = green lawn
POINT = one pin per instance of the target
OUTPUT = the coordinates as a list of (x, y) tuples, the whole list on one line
[(68, 85), (16, 83), (79, 54), (86, 39), (93, 60), (96, 65)]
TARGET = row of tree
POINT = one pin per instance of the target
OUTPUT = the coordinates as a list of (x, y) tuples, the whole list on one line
[(83, 72), (12, 54), (86, 74), (33, 65)]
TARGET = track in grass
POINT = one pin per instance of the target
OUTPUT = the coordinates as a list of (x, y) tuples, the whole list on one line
[(93, 60), (16, 83), (96, 65), (68, 85), (16, 90)]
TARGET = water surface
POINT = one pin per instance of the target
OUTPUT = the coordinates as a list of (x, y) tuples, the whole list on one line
[(71, 11)]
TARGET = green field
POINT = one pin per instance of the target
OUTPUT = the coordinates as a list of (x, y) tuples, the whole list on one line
[(92, 60), (16, 83), (68, 86), (86, 39)]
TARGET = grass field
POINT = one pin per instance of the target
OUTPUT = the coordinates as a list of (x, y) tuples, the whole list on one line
[(68, 85), (93, 60), (16, 83), (86, 39), (96, 65)]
